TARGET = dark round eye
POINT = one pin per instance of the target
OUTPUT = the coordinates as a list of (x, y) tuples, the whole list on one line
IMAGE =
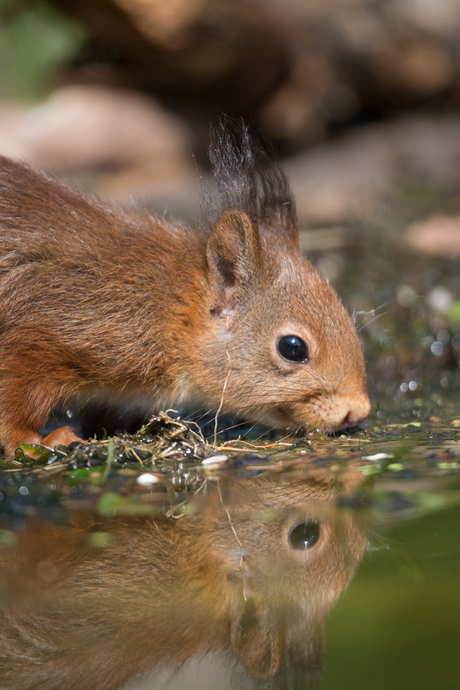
[(293, 348), (305, 534)]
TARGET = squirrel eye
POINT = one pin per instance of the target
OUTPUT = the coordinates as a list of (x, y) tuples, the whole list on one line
[(293, 348), (304, 535)]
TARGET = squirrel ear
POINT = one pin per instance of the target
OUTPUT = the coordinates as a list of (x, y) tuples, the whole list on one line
[(234, 254), (256, 640)]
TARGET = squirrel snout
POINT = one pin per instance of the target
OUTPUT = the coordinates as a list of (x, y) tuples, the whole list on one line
[(358, 409), (346, 412)]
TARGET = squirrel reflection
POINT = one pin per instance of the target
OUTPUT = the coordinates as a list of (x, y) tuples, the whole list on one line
[(250, 574)]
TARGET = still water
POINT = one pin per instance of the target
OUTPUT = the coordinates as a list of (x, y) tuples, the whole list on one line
[(336, 567)]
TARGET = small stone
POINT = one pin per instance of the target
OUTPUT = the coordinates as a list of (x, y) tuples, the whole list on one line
[(377, 456), (146, 479), (438, 235), (214, 459)]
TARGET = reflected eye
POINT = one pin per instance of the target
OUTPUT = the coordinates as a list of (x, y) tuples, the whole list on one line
[(293, 348), (305, 534)]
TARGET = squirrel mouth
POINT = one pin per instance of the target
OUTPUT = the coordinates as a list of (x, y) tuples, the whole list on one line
[(345, 431), (276, 417), (283, 413), (283, 418)]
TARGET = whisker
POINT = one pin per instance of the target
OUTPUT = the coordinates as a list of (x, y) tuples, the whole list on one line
[(374, 313), (360, 328)]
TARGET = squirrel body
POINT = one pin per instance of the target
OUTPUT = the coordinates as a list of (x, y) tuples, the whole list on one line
[(96, 304)]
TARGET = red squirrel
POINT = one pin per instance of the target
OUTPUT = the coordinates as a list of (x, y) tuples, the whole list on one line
[(249, 574), (97, 304)]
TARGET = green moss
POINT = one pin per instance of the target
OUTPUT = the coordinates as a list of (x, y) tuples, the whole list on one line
[(34, 39)]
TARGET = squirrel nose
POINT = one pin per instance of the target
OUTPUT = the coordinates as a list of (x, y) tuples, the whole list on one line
[(357, 414), (351, 421)]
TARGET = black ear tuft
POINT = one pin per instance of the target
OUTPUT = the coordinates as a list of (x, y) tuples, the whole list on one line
[(249, 179), (257, 640)]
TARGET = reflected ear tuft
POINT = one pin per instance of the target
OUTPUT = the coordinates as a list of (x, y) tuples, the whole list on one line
[(255, 639)]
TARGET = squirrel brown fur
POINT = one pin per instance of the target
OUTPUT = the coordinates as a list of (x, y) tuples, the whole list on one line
[(97, 304)]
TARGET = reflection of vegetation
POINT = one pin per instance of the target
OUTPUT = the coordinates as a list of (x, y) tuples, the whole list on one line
[(34, 38)]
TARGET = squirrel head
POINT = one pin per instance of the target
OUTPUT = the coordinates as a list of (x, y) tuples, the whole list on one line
[(278, 347)]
